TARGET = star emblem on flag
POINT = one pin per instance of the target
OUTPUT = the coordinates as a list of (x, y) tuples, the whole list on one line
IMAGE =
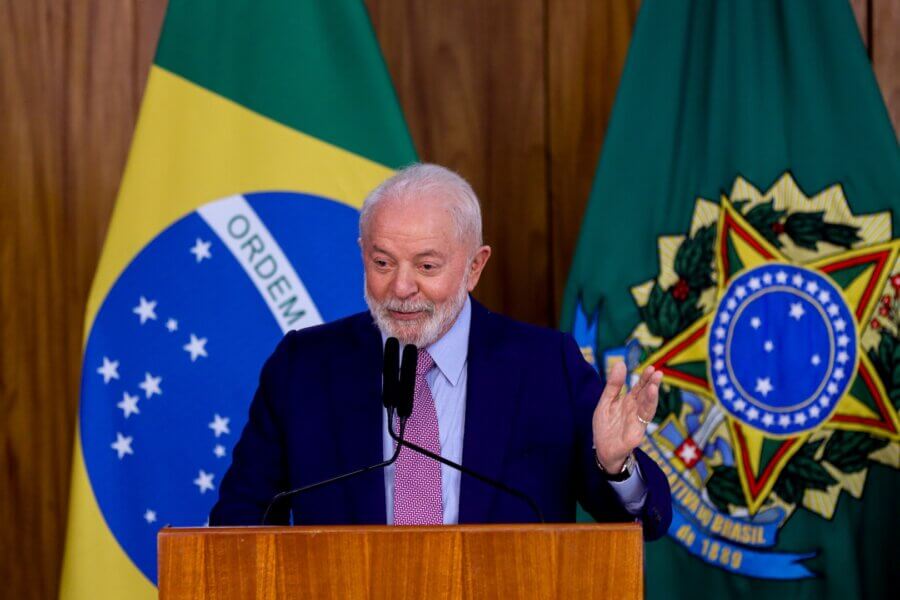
[(778, 349)]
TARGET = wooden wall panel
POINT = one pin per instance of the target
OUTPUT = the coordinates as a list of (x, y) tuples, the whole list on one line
[(884, 50), (516, 95), (71, 78), (587, 44), (861, 12), (36, 403), (470, 77)]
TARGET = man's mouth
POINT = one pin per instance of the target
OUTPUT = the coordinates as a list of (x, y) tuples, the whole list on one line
[(405, 316)]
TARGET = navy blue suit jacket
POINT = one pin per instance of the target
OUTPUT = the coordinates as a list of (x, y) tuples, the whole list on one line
[(529, 402)]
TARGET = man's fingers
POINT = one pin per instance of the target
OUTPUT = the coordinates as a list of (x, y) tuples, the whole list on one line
[(646, 376), (642, 383), (649, 398), (614, 383)]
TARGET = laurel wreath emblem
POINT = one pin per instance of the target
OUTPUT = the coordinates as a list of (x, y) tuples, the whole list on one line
[(674, 300)]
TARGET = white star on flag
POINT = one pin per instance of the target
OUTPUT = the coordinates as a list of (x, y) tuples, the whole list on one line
[(824, 297), (150, 385), (754, 283), (145, 310), (122, 445), (832, 388), (797, 311), (799, 418), (815, 360), (767, 419), (219, 450), (843, 357), (150, 516), (768, 346), (767, 278), (201, 250), (740, 405), (797, 280), (197, 347), (812, 287), (220, 425), (843, 340), (740, 291), (838, 374), (687, 453), (722, 380), (824, 401), (172, 325), (840, 325), (764, 385), (784, 420), (109, 370), (720, 333), (814, 412), (781, 277), (204, 481), (129, 405), (719, 364), (752, 414), (731, 304), (755, 322)]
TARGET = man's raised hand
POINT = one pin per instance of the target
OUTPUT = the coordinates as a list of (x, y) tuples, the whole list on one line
[(620, 422)]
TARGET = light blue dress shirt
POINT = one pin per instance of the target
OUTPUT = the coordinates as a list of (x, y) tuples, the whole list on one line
[(447, 382)]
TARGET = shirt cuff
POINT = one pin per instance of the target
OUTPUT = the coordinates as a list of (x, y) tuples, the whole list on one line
[(632, 492)]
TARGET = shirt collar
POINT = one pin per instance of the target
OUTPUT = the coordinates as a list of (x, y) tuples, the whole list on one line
[(451, 350)]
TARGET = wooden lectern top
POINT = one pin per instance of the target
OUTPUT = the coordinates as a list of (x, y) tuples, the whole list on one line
[(432, 563)]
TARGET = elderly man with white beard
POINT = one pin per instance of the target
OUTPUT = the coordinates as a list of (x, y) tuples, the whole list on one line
[(510, 401)]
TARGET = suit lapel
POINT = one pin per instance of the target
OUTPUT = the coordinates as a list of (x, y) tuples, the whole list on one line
[(357, 410), (493, 379)]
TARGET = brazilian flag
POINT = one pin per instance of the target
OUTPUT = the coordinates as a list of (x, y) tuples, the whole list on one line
[(263, 127), (741, 236)]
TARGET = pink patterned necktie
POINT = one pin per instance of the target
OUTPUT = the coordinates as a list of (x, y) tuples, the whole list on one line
[(417, 479)]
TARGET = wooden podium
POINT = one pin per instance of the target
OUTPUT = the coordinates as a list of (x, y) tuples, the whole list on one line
[(464, 561)]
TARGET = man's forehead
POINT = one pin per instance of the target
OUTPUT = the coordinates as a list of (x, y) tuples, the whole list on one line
[(418, 221), (425, 251)]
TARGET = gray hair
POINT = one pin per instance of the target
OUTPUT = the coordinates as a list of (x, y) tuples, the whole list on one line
[(423, 179)]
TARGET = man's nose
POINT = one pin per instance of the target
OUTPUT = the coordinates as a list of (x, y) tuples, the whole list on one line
[(404, 285)]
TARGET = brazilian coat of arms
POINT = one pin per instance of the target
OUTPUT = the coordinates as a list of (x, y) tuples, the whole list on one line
[(775, 321)]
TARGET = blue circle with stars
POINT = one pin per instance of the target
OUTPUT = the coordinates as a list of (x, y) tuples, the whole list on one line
[(782, 348), (174, 354)]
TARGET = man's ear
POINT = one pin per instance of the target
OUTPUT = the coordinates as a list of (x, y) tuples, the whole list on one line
[(476, 266)]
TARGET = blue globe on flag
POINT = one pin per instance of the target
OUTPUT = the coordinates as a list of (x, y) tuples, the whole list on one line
[(782, 347), (174, 354)]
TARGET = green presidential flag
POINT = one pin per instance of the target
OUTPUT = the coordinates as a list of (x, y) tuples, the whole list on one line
[(263, 126), (741, 236)]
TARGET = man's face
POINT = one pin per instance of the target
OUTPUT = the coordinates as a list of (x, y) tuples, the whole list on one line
[(418, 270)]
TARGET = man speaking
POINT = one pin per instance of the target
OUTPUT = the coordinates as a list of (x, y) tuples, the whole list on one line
[(512, 402)]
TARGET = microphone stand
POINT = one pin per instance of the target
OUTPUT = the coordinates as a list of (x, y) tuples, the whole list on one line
[(312, 486), (390, 392), (482, 478)]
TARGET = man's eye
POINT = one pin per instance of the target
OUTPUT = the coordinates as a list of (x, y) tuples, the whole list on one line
[(427, 267), (380, 263)]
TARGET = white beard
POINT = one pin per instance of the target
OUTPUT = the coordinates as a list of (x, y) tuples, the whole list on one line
[(425, 330)]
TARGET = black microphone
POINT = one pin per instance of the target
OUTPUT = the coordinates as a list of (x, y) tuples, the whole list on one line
[(407, 389), (390, 391), (390, 384), (405, 404)]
